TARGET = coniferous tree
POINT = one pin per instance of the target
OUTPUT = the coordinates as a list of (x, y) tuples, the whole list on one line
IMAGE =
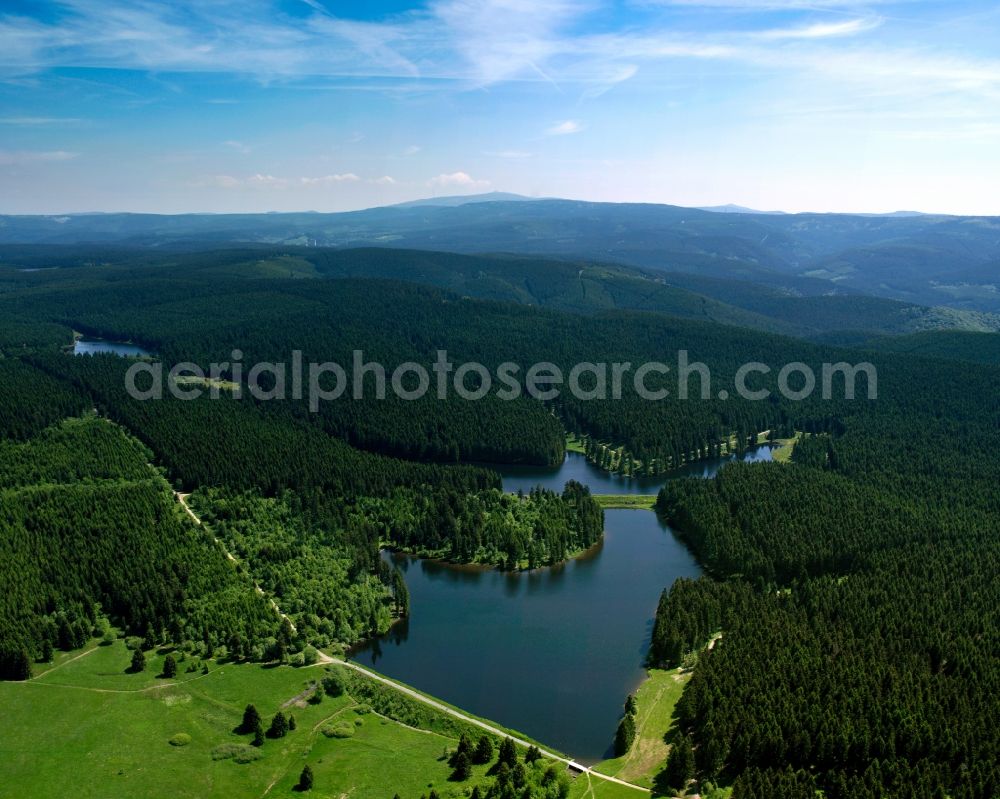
[(624, 735), (462, 766), (306, 778), (251, 719), (138, 661), (680, 764), (508, 753), (169, 667), (484, 750), (464, 748), (279, 726)]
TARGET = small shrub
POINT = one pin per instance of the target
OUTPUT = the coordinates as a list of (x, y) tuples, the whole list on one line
[(341, 730), (358, 722), (180, 739), (241, 753), (247, 754), (333, 685)]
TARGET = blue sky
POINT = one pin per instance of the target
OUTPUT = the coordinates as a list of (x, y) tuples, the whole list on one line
[(247, 105)]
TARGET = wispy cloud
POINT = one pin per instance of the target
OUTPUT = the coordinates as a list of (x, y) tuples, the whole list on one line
[(346, 177), (511, 154), (266, 181), (480, 43), (462, 180), (38, 121), (239, 146), (413, 149), (385, 180), (777, 5), (822, 30), (565, 128), (18, 157)]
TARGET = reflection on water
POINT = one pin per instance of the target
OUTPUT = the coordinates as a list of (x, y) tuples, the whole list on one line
[(94, 346), (577, 467), (552, 652)]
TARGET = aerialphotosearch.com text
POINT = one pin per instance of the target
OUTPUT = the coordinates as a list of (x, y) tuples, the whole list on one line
[(319, 382)]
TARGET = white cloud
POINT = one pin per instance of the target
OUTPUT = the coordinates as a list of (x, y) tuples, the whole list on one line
[(264, 181), (505, 39), (239, 146), (477, 43), (347, 177), (565, 128), (457, 180), (18, 157), (385, 180), (822, 30), (413, 149)]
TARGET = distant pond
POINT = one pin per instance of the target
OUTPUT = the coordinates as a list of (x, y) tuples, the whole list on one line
[(86, 346), (551, 652)]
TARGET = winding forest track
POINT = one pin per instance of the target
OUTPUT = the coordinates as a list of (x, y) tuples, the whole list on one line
[(182, 499)]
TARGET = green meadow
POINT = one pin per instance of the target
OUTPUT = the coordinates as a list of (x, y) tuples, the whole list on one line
[(86, 726)]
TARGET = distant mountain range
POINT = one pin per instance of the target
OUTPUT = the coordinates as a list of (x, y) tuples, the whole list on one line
[(465, 199), (918, 259)]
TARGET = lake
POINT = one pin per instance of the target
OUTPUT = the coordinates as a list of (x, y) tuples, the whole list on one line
[(552, 652), (577, 467), (85, 346)]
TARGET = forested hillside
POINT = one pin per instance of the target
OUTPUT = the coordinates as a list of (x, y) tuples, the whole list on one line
[(925, 259), (855, 591), (90, 530)]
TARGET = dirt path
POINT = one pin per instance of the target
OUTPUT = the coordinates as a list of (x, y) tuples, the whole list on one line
[(578, 767), (182, 499), (65, 662), (302, 697), (158, 687), (326, 659)]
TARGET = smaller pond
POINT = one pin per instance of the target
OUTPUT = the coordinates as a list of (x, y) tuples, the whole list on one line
[(85, 346), (577, 467)]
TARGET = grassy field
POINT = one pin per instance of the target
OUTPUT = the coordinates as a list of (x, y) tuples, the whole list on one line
[(206, 382), (86, 722), (656, 699), (635, 501), (784, 453), (574, 444)]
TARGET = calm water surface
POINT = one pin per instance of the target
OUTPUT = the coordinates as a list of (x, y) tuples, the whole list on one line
[(577, 467), (552, 652), (85, 346)]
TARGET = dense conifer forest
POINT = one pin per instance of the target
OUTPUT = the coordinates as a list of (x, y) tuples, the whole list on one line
[(91, 533), (857, 602), (852, 594)]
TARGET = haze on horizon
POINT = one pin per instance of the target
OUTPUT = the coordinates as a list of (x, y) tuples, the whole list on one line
[(225, 106)]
